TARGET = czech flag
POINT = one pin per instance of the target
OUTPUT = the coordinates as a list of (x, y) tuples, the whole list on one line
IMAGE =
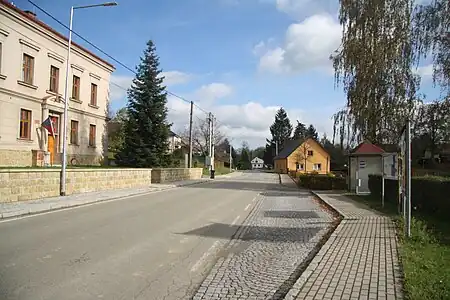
[(47, 124)]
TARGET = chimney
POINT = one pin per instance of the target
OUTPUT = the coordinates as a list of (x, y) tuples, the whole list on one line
[(30, 13)]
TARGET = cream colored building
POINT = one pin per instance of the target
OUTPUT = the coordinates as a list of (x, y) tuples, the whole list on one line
[(32, 80)]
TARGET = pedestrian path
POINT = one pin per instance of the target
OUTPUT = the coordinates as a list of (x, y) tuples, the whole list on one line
[(359, 260), (287, 181), (16, 209), (269, 248)]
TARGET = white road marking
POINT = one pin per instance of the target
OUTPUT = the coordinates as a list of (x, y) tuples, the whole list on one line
[(247, 207), (184, 240), (204, 257), (234, 221)]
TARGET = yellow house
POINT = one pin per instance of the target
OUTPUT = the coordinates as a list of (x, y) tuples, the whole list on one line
[(304, 155)]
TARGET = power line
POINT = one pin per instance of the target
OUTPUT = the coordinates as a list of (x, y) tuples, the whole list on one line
[(102, 51), (108, 55), (201, 109), (43, 46), (81, 37)]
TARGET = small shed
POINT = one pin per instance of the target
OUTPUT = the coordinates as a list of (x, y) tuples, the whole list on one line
[(370, 159)]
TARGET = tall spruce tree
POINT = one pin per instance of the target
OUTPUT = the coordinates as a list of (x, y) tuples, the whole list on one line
[(299, 131), (311, 132), (146, 129), (281, 128)]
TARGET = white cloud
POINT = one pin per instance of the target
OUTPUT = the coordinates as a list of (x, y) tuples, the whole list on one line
[(299, 9), (307, 46), (248, 122), (119, 83), (425, 72), (118, 87), (212, 92), (262, 47), (290, 6), (172, 78)]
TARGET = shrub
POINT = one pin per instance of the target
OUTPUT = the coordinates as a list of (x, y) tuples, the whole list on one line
[(429, 194), (321, 182)]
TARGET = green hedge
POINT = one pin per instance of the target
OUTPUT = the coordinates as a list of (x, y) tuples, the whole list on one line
[(321, 182), (390, 188), (429, 194)]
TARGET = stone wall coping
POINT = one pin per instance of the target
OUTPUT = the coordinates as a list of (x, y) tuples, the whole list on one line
[(157, 169), (70, 170)]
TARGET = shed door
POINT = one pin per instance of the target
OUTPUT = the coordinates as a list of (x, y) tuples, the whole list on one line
[(367, 166)]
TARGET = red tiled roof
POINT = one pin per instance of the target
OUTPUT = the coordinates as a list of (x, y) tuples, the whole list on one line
[(367, 148), (45, 26)]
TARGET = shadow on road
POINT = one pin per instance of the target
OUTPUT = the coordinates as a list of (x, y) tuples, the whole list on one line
[(256, 233), (294, 193), (291, 214), (270, 189), (237, 185)]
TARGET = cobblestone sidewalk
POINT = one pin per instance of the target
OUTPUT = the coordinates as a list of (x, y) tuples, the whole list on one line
[(16, 209), (359, 261), (264, 259)]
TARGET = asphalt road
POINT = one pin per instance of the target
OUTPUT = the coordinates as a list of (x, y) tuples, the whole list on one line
[(135, 248)]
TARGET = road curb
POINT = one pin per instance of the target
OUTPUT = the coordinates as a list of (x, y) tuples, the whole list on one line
[(12, 215), (317, 254)]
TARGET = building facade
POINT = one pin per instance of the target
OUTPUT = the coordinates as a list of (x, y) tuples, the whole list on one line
[(369, 159), (174, 142), (303, 156), (257, 163), (32, 81)]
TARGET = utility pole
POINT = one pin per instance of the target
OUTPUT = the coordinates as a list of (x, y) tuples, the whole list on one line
[(212, 143), (408, 177), (276, 147), (209, 140), (231, 158), (190, 136)]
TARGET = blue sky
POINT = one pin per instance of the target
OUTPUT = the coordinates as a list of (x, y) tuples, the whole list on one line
[(240, 59)]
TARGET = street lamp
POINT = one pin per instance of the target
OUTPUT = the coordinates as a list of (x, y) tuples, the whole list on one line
[(66, 94)]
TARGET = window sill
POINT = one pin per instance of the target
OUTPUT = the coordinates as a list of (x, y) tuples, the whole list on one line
[(75, 145), (31, 86), (75, 100), (93, 147), (2, 76), (93, 106), (53, 93), (25, 140)]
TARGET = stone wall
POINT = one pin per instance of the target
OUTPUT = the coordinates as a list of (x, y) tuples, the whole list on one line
[(18, 185), (15, 158), (170, 175)]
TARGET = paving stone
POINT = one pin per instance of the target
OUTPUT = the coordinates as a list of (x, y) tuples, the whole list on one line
[(359, 261), (282, 230)]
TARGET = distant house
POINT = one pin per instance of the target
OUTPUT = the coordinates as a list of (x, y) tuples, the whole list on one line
[(369, 159), (174, 142), (303, 155), (257, 163)]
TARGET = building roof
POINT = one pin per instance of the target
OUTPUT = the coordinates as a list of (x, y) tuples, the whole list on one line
[(47, 27), (367, 148), (289, 148), (257, 160), (171, 133)]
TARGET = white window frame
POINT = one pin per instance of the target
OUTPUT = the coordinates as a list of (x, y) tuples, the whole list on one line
[(317, 167)]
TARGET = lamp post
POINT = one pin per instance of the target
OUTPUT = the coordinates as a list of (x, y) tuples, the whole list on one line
[(66, 94)]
